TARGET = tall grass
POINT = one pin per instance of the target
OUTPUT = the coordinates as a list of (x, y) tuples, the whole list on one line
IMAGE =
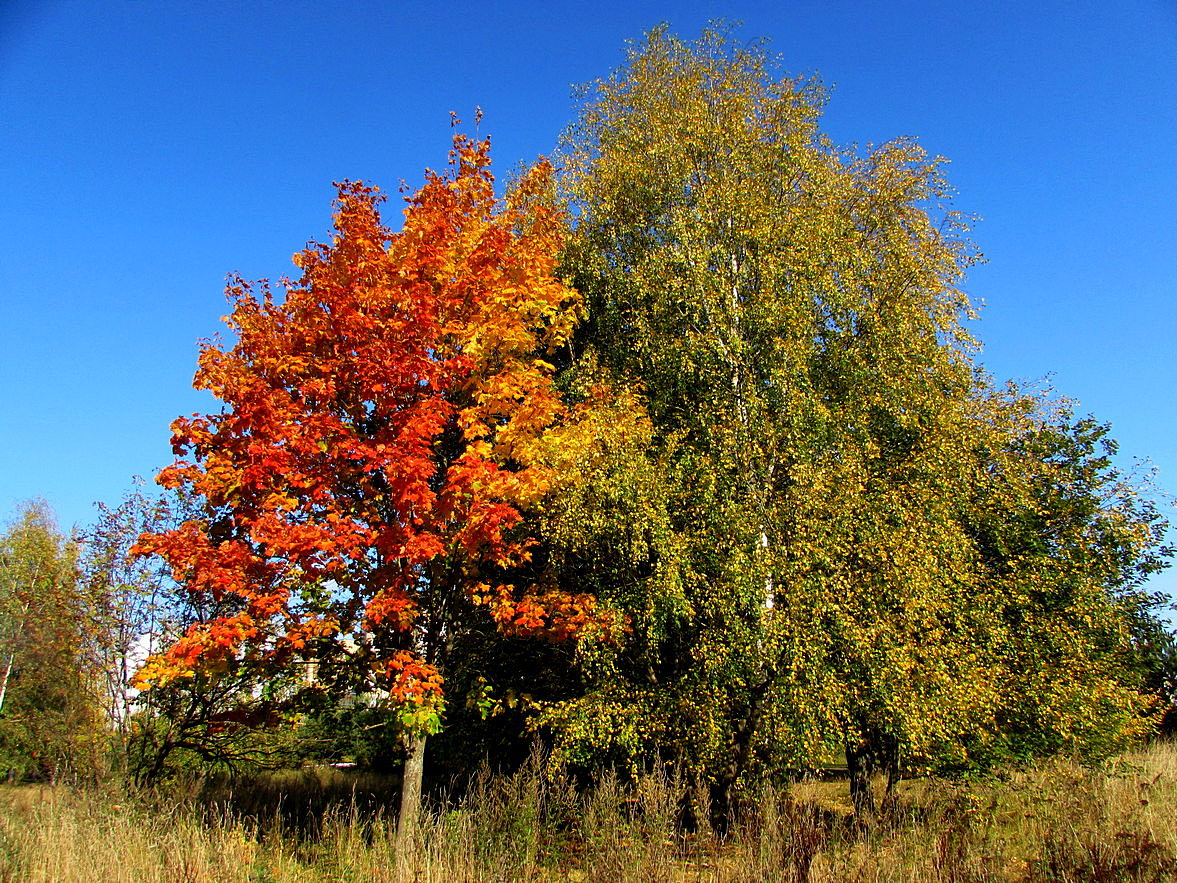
[(1056, 822)]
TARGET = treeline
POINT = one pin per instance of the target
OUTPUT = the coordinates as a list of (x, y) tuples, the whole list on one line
[(675, 457)]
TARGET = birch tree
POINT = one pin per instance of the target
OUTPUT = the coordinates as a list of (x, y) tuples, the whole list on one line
[(792, 314), (50, 721)]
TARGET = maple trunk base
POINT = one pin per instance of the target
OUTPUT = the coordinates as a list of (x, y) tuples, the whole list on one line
[(410, 809)]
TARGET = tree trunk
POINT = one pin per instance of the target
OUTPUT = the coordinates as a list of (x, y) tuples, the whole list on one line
[(891, 760), (7, 675), (888, 758), (860, 765), (722, 805), (12, 652), (410, 811)]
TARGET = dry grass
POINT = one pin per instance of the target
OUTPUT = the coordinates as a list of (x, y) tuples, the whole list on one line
[(1056, 822)]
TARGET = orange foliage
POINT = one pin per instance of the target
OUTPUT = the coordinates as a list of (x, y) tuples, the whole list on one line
[(379, 442)]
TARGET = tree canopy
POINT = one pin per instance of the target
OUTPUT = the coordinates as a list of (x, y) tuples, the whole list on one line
[(364, 488), (792, 313), (702, 409), (50, 717)]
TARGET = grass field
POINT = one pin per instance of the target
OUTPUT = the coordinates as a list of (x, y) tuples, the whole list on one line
[(1058, 821)]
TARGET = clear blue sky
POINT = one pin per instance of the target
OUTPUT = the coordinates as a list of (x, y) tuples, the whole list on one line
[(149, 148)]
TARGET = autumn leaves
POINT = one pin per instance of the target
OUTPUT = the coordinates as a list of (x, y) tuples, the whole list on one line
[(382, 438), (723, 435)]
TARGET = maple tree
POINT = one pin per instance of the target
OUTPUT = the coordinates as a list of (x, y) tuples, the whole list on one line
[(366, 484)]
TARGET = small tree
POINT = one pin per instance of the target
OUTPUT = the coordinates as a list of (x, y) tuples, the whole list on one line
[(1067, 543), (134, 609), (129, 601), (50, 720), (365, 487)]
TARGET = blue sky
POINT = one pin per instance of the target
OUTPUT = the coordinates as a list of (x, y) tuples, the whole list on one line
[(147, 149)]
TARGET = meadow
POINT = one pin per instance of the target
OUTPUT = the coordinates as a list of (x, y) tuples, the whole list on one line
[(1056, 821)]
